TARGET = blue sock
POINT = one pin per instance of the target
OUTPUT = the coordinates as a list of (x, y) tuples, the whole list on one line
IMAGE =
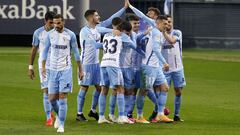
[(127, 104), (140, 104), (47, 106), (132, 104), (177, 105), (81, 100), (102, 104), (62, 110), (112, 104), (55, 106), (121, 104), (151, 95), (95, 97), (162, 99)]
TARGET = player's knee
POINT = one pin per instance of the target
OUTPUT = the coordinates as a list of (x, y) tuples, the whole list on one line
[(62, 95), (83, 87), (98, 88), (165, 87), (52, 97), (178, 91), (104, 90), (45, 90)]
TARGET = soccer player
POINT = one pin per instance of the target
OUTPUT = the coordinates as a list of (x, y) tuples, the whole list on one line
[(136, 61), (90, 60), (153, 54), (38, 42), (172, 52), (62, 42), (111, 74)]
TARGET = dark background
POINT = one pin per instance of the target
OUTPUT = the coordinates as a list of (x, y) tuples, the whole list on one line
[(204, 23)]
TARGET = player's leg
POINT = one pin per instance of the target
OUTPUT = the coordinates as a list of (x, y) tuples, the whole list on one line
[(102, 105), (179, 83), (128, 87), (47, 108), (112, 105), (103, 95), (152, 96), (133, 97), (96, 80), (46, 103), (53, 94), (65, 87), (84, 85), (62, 113), (53, 90), (146, 83), (161, 88), (80, 102)]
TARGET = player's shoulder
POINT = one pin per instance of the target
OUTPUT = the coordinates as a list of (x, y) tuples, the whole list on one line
[(70, 32), (39, 30), (109, 34), (84, 29), (155, 31), (176, 31)]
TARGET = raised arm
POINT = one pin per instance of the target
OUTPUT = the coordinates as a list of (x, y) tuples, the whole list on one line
[(143, 16), (108, 22)]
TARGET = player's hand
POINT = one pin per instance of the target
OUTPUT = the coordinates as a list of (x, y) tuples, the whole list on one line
[(117, 32), (80, 74), (44, 72), (165, 67), (148, 30), (126, 5), (31, 74)]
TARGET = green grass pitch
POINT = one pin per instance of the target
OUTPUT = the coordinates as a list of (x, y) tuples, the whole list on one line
[(210, 100)]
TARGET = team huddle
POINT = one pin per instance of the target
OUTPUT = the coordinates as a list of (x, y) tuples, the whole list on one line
[(142, 56)]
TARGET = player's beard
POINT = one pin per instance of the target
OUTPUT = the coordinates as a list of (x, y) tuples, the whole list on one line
[(59, 29)]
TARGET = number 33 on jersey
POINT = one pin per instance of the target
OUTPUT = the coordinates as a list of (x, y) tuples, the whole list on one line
[(112, 46)]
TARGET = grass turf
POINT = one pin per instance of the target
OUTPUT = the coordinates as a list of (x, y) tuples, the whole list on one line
[(210, 100)]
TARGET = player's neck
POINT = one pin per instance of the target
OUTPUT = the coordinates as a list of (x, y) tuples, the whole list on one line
[(91, 25), (46, 28)]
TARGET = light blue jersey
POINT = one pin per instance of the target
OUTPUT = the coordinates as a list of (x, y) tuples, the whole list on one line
[(61, 45), (39, 37), (173, 52), (90, 54), (113, 57), (60, 74), (145, 20)]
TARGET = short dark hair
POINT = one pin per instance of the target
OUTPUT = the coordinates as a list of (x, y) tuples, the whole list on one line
[(57, 16), (162, 17), (49, 15), (168, 16), (89, 12), (132, 17), (125, 25), (116, 21), (155, 10)]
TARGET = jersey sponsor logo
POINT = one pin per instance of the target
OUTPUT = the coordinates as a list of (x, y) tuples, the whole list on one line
[(60, 46), (168, 46), (109, 59)]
